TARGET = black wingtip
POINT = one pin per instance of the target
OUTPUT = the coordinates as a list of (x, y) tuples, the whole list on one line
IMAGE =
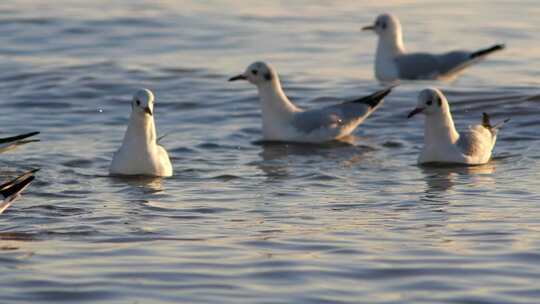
[(17, 137), (18, 187), (484, 52), (374, 99), (486, 121), (32, 171), (8, 184)]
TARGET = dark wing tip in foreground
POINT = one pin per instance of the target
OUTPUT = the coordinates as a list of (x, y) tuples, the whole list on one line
[(17, 187), (374, 99), (17, 137), (19, 178), (483, 52)]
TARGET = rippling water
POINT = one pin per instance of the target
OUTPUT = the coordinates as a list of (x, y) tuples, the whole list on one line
[(245, 222)]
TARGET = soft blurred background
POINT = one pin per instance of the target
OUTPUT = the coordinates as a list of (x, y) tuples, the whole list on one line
[(244, 222)]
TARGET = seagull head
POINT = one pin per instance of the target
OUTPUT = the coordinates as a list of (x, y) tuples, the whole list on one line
[(430, 101), (257, 73), (143, 102), (386, 25)]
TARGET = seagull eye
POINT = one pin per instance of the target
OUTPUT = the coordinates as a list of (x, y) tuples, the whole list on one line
[(429, 102), (138, 102), (383, 25), (254, 72)]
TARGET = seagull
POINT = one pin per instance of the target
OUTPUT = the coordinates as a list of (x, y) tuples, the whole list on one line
[(10, 143), (393, 62), (12, 189), (442, 143), (283, 121), (140, 153)]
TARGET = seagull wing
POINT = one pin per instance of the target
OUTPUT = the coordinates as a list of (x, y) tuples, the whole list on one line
[(12, 189), (353, 111), (9, 143), (453, 62), (7, 185), (430, 66), (311, 120), (417, 66), (476, 142)]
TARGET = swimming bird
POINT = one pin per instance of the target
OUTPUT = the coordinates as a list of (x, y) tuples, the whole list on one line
[(393, 62), (140, 153), (10, 143), (442, 143), (11, 190), (284, 121)]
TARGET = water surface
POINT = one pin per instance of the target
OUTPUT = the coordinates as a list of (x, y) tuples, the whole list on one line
[(245, 222)]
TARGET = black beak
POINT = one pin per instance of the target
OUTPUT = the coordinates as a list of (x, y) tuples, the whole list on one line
[(368, 28), (414, 112), (238, 77), (148, 111)]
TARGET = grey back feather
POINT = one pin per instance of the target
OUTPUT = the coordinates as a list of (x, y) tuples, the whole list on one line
[(341, 114), (470, 143), (426, 66)]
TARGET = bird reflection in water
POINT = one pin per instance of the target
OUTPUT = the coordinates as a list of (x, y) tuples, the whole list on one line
[(276, 156), (441, 179), (148, 184)]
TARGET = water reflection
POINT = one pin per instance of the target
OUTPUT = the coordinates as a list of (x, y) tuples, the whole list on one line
[(148, 184), (274, 162), (441, 179), (277, 156)]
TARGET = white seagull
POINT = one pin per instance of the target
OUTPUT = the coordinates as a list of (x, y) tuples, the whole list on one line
[(283, 121), (12, 189), (442, 143), (10, 143), (140, 153), (393, 62)]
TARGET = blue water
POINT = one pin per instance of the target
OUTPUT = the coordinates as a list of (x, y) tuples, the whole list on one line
[(245, 222)]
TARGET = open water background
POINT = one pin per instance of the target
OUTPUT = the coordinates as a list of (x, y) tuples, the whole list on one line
[(244, 222)]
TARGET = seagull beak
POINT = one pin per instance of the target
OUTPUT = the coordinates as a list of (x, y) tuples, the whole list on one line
[(148, 111), (415, 111), (238, 77), (368, 28)]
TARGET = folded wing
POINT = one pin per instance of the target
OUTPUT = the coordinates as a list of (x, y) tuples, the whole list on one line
[(349, 112), (478, 141), (430, 66)]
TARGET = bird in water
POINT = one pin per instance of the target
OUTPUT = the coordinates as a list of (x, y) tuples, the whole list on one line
[(442, 142), (140, 153), (393, 62), (284, 121)]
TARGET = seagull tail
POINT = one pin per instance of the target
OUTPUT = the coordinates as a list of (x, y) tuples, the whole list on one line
[(374, 99), (483, 52), (486, 123)]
